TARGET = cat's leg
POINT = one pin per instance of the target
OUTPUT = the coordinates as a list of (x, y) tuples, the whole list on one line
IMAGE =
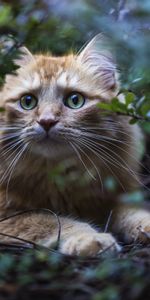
[(80, 238), (132, 223), (77, 238)]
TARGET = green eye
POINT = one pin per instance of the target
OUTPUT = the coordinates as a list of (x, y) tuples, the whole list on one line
[(28, 102), (75, 101)]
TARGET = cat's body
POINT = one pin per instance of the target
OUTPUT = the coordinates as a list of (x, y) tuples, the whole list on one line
[(59, 152)]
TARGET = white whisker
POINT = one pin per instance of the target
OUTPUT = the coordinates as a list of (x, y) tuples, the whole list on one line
[(8, 148), (4, 176), (113, 161), (104, 139), (104, 160), (80, 158), (17, 157), (91, 163)]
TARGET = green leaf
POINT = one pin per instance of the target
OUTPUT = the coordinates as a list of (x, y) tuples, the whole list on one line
[(106, 106), (129, 98), (146, 127), (133, 121), (2, 109), (118, 106), (5, 15)]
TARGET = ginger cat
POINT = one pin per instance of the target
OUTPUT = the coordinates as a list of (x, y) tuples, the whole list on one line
[(52, 121)]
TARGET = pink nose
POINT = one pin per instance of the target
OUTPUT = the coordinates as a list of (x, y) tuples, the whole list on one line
[(47, 123)]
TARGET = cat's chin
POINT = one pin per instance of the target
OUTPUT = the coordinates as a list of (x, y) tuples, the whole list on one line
[(50, 149)]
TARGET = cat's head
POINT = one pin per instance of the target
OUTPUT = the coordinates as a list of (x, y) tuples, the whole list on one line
[(51, 100)]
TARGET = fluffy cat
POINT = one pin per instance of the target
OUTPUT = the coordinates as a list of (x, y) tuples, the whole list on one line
[(58, 150)]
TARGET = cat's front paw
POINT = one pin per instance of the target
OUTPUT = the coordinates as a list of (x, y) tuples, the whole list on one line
[(89, 244)]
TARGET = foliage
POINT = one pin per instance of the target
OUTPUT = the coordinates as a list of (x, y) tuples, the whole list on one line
[(127, 104), (49, 275)]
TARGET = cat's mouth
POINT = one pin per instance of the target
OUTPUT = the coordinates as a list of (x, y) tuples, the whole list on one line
[(48, 147), (45, 143), (49, 139), (52, 150)]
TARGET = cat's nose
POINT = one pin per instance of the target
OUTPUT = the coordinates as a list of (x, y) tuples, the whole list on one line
[(47, 123)]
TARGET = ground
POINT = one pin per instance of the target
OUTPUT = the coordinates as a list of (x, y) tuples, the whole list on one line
[(27, 273)]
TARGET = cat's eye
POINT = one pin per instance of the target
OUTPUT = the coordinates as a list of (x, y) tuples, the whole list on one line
[(74, 100), (28, 102)]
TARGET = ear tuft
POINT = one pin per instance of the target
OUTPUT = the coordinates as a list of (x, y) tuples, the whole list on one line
[(98, 59), (24, 58)]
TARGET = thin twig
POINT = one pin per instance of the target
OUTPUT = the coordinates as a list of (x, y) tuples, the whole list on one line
[(108, 221), (134, 116), (121, 10), (34, 245), (36, 210)]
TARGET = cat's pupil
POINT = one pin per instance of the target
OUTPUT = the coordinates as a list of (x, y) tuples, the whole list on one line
[(28, 100), (75, 99)]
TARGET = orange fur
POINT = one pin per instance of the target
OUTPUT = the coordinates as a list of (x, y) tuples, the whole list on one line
[(84, 143)]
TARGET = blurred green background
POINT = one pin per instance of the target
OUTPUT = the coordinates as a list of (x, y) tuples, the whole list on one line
[(59, 26)]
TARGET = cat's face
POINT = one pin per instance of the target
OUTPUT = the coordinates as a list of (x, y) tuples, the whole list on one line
[(51, 101)]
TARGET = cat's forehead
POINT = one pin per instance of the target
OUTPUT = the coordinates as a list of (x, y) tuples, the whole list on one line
[(48, 71), (62, 70), (45, 72), (47, 66)]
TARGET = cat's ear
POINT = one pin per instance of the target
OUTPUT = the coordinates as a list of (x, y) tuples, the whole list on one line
[(24, 57), (98, 58)]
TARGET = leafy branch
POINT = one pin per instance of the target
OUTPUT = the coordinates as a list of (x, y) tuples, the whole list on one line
[(127, 104), (8, 52)]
